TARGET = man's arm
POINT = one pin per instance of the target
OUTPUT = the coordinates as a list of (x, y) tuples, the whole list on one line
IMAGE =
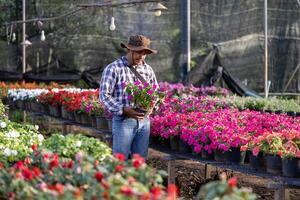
[(107, 85)]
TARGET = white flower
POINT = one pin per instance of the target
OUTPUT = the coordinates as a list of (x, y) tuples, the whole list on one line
[(14, 152), (12, 134), (7, 152), (2, 124), (78, 143), (40, 137), (36, 127)]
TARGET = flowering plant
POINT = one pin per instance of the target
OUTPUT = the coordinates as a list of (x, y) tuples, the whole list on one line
[(268, 142), (225, 189), (144, 95), (16, 140), (67, 146), (45, 175)]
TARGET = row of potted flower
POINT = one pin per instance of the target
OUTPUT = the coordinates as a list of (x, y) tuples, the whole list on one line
[(73, 104), (207, 128), (4, 87)]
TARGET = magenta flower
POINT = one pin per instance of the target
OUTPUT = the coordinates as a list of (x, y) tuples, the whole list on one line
[(129, 97), (124, 84)]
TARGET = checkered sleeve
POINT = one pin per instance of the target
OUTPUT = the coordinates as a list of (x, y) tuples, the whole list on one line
[(107, 86), (153, 78)]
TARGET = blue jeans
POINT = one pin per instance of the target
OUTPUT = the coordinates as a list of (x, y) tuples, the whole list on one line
[(130, 136)]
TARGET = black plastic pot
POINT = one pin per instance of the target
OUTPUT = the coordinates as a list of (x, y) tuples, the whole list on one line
[(71, 116), (234, 155), (94, 121), (165, 143), (221, 156), (297, 114), (207, 156), (291, 167), (268, 111), (77, 118), (291, 113), (101, 123), (274, 165), (153, 140), (64, 113), (184, 147), (174, 143), (278, 111), (257, 162)]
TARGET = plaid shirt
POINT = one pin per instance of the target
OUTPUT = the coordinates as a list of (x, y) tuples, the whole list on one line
[(111, 92)]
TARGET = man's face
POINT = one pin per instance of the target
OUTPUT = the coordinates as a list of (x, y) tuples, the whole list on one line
[(138, 57)]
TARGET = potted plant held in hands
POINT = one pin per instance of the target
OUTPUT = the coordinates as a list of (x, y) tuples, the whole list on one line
[(145, 96)]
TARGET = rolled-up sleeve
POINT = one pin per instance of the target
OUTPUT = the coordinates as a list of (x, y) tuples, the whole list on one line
[(107, 87)]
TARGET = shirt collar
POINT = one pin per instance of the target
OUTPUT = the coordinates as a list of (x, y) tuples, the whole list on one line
[(126, 62)]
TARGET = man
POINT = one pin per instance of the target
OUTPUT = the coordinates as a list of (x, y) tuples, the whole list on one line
[(130, 129)]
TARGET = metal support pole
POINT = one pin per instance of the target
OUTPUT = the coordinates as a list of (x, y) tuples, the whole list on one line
[(266, 48), (185, 38), (24, 36)]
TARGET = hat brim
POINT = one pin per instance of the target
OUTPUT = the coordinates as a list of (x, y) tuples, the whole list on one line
[(134, 48)]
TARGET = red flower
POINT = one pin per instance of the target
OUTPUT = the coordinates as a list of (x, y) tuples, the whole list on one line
[(232, 182), (156, 192), (127, 191), (27, 174), (120, 157), (58, 187), (11, 195), (46, 156), (172, 192), (54, 163), (36, 171), (119, 168), (99, 176), (19, 165), (1, 165), (70, 164), (146, 196), (137, 161), (105, 195), (77, 193), (27, 160), (18, 175), (96, 163), (34, 147), (105, 184)]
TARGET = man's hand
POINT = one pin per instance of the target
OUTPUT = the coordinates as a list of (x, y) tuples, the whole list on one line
[(131, 113)]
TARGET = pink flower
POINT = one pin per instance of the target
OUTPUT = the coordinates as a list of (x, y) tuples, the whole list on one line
[(150, 92), (255, 151)]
